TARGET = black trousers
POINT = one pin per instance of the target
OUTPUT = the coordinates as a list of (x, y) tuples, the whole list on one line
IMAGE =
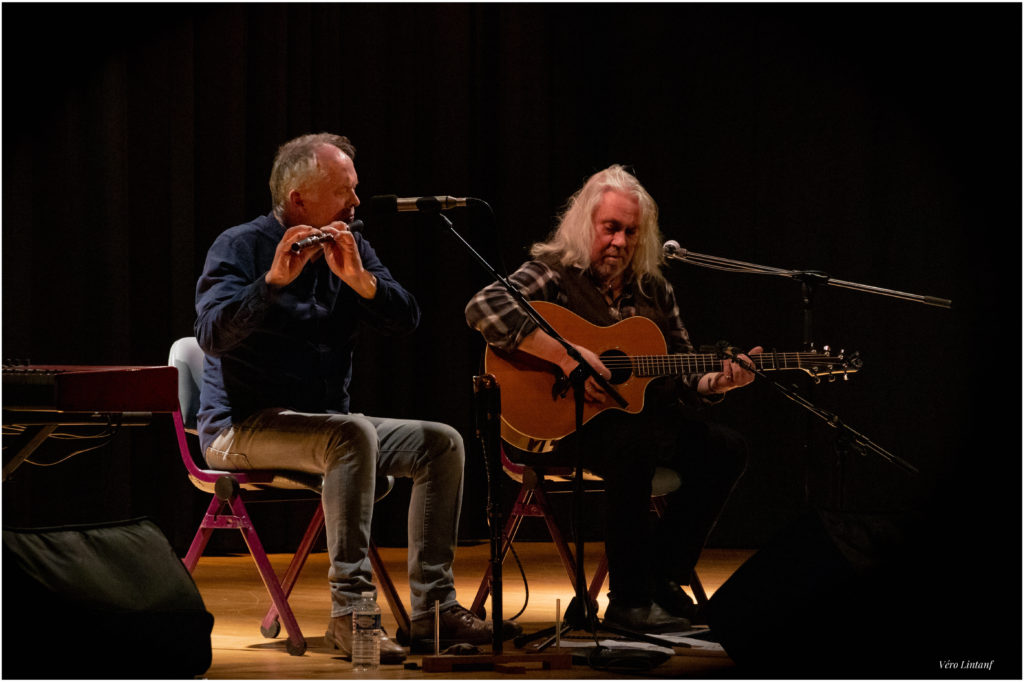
[(624, 449)]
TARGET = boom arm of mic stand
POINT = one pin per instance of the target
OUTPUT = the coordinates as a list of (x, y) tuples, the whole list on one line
[(852, 437), (812, 276)]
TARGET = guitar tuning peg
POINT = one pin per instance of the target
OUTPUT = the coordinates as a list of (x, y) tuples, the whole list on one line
[(846, 376), (826, 349)]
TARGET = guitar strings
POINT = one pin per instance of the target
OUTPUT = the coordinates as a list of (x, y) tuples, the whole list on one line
[(627, 360), (703, 362)]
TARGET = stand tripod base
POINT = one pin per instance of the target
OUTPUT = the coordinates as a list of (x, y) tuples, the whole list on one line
[(502, 663), (601, 658), (576, 619)]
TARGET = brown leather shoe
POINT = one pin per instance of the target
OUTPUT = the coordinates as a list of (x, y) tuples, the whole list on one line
[(458, 626), (339, 636)]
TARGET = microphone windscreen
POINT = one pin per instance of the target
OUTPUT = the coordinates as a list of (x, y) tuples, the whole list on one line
[(384, 204)]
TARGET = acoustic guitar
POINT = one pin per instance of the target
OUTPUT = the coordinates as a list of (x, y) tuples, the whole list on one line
[(538, 406)]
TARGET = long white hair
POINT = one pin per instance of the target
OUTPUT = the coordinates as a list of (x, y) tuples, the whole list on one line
[(572, 240)]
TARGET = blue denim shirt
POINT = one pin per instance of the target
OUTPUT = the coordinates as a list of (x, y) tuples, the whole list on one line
[(289, 347)]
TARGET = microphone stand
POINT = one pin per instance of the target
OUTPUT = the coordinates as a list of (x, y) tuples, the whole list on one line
[(809, 279), (577, 377), (848, 437)]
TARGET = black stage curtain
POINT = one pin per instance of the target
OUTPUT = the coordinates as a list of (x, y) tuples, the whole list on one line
[(877, 143)]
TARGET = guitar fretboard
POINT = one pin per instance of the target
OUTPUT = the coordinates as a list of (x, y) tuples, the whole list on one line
[(701, 363)]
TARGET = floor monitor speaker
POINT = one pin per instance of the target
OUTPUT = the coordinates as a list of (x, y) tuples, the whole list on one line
[(831, 595), (101, 601)]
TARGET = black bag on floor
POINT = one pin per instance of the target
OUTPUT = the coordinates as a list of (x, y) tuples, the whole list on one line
[(101, 601)]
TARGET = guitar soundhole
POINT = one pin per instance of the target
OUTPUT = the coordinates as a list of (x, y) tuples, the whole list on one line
[(618, 362)]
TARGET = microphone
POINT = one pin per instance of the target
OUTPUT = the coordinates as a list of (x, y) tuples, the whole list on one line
[(672, 248), (302, 244), (389, 203)]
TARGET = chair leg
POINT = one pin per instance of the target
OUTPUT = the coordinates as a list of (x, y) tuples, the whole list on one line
[(515, 518), (602, 572), (698, 588), (391, 594), (568, 560), (530, 502), (238, 518), (202, 537), (271, 626), (296, 643), (599, 577)]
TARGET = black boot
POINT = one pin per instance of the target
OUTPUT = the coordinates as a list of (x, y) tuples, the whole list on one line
[(670, 596), (651, 618)]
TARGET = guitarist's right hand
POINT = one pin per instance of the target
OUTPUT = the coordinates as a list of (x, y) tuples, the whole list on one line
[(592, 390), (539, 344)]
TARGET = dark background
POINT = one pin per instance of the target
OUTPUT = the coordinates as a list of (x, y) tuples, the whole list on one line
[(879, 143)]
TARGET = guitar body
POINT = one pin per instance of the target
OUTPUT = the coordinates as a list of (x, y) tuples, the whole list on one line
[(539, 408), (534, 415)]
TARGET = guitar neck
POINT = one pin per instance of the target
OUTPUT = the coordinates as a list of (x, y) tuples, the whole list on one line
[(702, 363)]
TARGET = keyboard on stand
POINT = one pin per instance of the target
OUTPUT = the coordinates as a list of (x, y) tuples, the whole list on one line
[(37, 399)]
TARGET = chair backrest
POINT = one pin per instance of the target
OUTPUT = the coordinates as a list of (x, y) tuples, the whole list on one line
[(187, 357)]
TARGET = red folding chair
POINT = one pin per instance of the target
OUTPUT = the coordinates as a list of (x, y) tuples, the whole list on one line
[(536, 482), (227, 509)]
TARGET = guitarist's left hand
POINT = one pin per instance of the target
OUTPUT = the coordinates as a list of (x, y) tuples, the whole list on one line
[(733, 375)]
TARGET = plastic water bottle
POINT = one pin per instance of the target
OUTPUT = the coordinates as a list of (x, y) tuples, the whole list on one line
[(366, 634)]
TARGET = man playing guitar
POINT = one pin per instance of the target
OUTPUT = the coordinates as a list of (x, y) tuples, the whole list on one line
[(603, 264)]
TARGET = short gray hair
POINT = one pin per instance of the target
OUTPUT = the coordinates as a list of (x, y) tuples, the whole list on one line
[(296, 161)]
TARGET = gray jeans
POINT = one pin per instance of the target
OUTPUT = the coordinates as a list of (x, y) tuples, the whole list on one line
[(351, 450)]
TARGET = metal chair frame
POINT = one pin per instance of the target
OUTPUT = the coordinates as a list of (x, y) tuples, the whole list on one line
[(532, 501), (227, 511)]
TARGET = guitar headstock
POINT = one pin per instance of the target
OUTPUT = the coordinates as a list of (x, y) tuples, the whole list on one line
[(823, 363)]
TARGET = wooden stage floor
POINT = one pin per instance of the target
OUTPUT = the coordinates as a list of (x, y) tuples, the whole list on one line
[(234, 594)]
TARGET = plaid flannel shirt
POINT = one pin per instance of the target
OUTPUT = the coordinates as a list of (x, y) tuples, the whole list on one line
[(496, 314)]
